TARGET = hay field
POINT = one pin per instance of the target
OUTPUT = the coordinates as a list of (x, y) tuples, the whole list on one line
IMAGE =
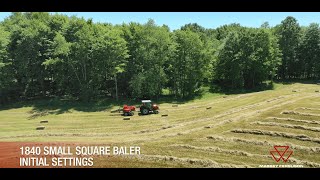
[(237, 131)]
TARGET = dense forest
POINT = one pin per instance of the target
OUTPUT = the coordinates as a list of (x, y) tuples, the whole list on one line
[(53, 55)]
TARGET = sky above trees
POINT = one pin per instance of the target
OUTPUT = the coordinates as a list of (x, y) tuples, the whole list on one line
[(175, 20)]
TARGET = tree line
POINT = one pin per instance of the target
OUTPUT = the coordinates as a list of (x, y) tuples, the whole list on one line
[(53, 55)]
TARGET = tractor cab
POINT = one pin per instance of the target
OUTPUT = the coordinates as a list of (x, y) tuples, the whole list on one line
[(146, 103), (148, 107)]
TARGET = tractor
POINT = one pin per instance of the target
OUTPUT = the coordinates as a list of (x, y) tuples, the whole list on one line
[(148, 107), (128, 110)]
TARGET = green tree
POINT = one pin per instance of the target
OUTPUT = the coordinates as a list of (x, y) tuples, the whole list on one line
[(188, 64), (4, 41), (228, 67), (150, 47), (223, 31), (309, 51), (57, 67), (6, 73), (288, 33), (98, 53), (111, 50), (210, 45), (265, 25), (247, 58), (29, 42)]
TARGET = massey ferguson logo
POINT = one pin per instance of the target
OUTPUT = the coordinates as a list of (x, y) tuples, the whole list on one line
[(281, 152)]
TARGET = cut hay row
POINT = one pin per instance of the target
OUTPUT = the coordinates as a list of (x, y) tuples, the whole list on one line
[(58, 135), (277, 98), (154, 130), (65, 135), (213, 149), (88, 134), (305, 108), (189, 161), (286, 126), (300, 137), (299, 113), (308, 163), (242, 153), (37, 115), (295, 120), (174, 134), (262, 143)]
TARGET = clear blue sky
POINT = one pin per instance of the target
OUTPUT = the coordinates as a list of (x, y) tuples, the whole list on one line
[(206, 19)]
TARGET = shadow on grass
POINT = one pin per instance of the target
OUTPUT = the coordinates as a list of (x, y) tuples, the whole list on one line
[(268, 85), (176, 100), (44, 107), (302, 81), (55, 106)]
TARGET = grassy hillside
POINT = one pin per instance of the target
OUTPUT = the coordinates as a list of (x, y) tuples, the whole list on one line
[(237, 131)]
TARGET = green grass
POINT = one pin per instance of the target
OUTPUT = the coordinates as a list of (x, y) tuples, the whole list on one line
[(187, 125)]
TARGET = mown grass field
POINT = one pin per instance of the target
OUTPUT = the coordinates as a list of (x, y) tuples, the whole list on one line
[(237, 131)]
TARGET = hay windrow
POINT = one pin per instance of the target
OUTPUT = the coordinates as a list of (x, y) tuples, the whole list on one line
[(308, 163), (193, 161), (86, 134), (262, 143), (237, 140), (214, 149), (90, 134), (305, 108), (299, 113), (152, 130), (287, 126), (296, 120), (274, 99), (57, 135), (300, 137)]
